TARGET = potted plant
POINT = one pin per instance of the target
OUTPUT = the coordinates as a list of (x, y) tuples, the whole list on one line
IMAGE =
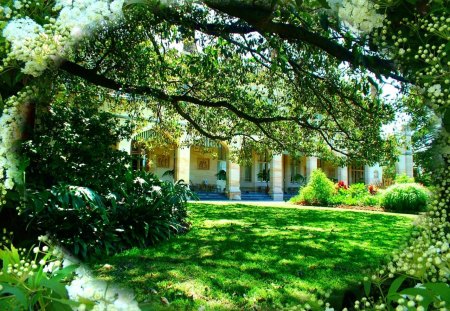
[(264, 175)]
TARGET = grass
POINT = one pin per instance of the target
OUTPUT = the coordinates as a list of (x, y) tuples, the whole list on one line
[(242, 256)]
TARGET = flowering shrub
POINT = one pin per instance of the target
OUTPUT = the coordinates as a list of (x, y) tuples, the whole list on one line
[(406, 198), (33, 280), (358, 14), (372, 189), (417, 276), (93, 294), (11, 124), (341, 185), (40, 45), (145, 211)]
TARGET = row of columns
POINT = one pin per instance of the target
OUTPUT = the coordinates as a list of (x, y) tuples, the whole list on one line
[(182, 171)]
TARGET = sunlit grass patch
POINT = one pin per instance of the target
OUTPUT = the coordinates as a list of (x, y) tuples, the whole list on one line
[(240, 256)]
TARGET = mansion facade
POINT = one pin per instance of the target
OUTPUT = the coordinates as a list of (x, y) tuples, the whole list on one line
[(215, 172)]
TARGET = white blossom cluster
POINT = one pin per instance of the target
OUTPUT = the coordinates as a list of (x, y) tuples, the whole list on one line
[(41, 46), (25, 267), (431, 53), (427, 255), (360, 15), (5, 12), (105, 297), (11, 123)]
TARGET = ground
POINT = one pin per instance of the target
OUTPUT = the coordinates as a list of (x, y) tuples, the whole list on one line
[(243, 256)]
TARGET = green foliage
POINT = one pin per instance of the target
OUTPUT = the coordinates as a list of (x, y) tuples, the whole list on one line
[(403, 179), (27, 282), (72, 145), (107, 207), (398, 293), (372, 200), (318, 191), (408, 197), (358, 190), (144, 211)]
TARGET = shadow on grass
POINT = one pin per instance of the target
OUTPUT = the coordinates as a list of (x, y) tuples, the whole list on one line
[(240, 256)]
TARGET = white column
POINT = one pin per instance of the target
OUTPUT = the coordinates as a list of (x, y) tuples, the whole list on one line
[(311, 165), (342, 174), (183, 163), (124, 145), (276, 178), (400, 165), (405, 164), (409, 164), (233, 181)]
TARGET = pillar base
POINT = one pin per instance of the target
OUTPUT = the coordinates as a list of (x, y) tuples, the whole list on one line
[(277, 196), (235, 196)]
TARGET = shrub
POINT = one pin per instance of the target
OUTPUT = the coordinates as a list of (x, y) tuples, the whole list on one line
[(403, 179), (408, 197), (111, 207), (357, 190), (143, 211), (72, 145), (319, 189), (372, 200)]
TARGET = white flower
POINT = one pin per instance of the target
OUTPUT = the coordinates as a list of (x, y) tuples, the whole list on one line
[(156, 188), (435, 90), (18, 4), (139, 180)]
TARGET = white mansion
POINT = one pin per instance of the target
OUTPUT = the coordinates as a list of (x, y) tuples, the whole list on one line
[(215, 172)]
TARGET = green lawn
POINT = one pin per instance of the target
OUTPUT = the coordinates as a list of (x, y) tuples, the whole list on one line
[(241, 256)]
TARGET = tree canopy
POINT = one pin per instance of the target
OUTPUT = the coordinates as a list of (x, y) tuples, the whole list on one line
[(298, 76)]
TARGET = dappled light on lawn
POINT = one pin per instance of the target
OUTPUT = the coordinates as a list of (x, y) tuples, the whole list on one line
[(239, 256)]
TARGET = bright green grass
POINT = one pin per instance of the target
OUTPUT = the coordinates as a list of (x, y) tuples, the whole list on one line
[(239, 256)]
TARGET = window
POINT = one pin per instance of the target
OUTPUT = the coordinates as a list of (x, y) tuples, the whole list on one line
[(296, 171), (357, 174), (138, 157), (263, 167), (248, 173)]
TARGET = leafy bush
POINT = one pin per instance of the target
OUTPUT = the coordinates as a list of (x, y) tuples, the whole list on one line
[(408, 197), (143, 211), (318, 191), (357, 190), (403, 179), (111, 207), (72, 145), (372, 200)]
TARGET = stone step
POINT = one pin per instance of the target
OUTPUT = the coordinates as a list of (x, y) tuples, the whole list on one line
[(255, 196), (211, 196)]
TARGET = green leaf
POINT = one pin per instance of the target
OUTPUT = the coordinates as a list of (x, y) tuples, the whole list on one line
[(55, 286), (427, 295), (439, 289), (367, 286), (18, 293), (396, 285)]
